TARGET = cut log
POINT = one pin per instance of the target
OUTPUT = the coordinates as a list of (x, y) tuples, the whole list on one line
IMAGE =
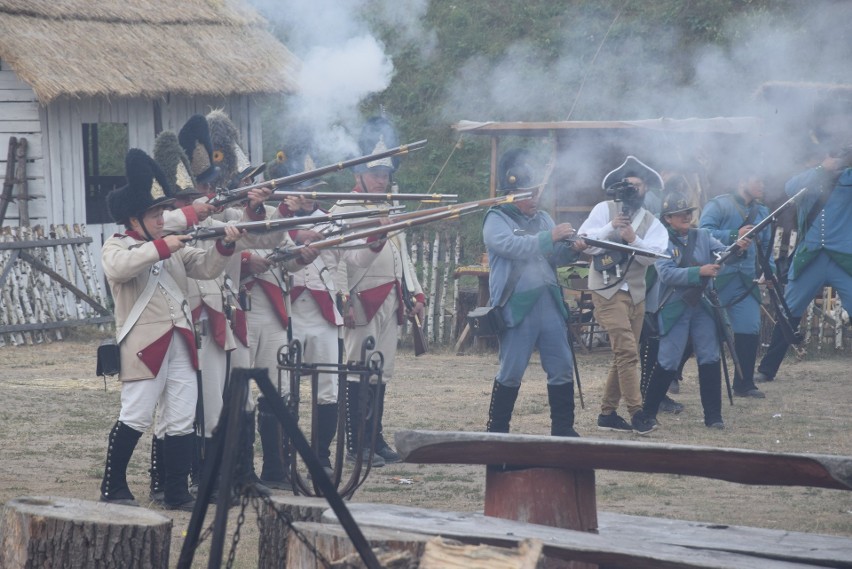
[(274, 528), (446, 554), (329, 542), (45, 531)]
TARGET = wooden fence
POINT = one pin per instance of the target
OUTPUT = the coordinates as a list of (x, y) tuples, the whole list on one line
[(48, 283)]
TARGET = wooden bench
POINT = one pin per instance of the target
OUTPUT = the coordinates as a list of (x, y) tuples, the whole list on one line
[(550, 481)]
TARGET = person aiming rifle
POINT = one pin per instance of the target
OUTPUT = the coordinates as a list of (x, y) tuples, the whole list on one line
[(824, 253), (678, 300), (374, 305), (524, 246)]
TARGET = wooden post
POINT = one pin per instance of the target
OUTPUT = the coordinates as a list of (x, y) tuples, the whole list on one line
[(556, 497), (274, 531), (397, 549), (9, 179), (21, 178), (65, 532)]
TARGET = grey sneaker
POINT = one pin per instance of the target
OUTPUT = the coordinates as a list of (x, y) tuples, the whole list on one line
[(669, 405), (613, 422), (761, 377), (716, 424), (643, 423), (754, 393)]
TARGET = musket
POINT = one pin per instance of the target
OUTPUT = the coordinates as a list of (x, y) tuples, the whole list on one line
[(280, 224), (227, 197), (733, 248), (281, 255), (394, 217), (623, 247), (365, 196)]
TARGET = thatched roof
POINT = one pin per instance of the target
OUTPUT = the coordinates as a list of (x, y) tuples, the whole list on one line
[(132, 48)]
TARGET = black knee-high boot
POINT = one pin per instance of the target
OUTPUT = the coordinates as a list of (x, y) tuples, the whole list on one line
[(276, 464), (326, 429), (383, 449), (658, 386), (354, 419), (775, 352), (561, 400), (178, 451), (745, 345), (710, 386), (502, 404), (157, 470), (122, 441)]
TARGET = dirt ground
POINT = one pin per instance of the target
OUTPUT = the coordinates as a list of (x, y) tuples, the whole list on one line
[(55, 416)]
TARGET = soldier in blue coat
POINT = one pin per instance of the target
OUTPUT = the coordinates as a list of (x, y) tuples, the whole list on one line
[(682, 311), (524, 246), (824, 255), (728, 217)]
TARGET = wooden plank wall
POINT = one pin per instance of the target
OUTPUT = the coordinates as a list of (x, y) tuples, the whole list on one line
[(19, 117)]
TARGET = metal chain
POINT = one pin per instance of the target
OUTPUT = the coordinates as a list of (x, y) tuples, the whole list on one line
[(282, 516), (240, 521)]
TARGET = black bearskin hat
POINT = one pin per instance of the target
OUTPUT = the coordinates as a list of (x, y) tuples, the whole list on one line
[(169, 155), (194, 138), (146, 187), (228, 154), (378, 135)]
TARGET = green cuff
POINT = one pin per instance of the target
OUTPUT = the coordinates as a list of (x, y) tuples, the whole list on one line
[(694, 278), (735, 234), (545, 242)]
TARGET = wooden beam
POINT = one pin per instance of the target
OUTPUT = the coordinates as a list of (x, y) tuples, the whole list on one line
[(9, 179), (44, 243), (41, 326), (732, 465), (558, 543)]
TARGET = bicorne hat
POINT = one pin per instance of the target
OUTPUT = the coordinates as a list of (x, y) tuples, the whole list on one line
[(378, 135), (515, 171), (632, 167)]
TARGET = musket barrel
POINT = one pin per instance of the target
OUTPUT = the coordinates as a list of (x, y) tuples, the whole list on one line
[(238, 194)]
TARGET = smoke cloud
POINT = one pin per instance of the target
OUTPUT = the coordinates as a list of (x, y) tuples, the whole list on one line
[(343, 63)]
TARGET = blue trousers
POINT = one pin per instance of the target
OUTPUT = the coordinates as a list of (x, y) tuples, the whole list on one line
[(799, 293), (745, 314), (697, 323), (545, 329)]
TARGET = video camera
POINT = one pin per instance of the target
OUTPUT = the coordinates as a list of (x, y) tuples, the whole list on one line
[(622, 191), (625, 193)]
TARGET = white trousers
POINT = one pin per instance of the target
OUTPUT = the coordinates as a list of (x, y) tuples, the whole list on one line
[(173, 393), (385, 329), (319, 343)]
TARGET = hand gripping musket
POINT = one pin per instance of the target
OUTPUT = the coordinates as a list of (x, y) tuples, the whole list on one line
[(229, 197), (366, 196), (281, 224), (282, 255), (339, 228), (733, 249), (782, 311)]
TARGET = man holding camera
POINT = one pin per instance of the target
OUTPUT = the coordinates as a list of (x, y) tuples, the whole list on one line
[(824, 253), (617, 282)]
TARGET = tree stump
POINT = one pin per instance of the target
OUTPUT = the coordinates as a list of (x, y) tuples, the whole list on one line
[(274, 531), (394, 549), (46, 531)]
